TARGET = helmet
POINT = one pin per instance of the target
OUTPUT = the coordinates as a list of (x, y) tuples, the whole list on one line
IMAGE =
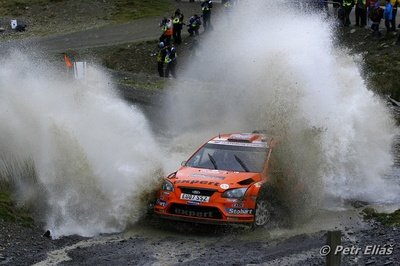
[(161, 45)]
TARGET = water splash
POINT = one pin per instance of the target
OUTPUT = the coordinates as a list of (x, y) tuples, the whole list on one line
[(93, 153), (271, 66)]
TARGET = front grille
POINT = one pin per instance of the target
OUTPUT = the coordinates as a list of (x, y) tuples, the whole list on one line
[(195, 191), (195, 211)]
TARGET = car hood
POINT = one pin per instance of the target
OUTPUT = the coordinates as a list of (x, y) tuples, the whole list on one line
[(213, 179)]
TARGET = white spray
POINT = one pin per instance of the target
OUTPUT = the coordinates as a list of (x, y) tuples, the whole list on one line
[(93, 153), (272, 66)]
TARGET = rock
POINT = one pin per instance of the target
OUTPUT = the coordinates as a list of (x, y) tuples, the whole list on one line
[(47, 234), (2, 29), (353, 30)]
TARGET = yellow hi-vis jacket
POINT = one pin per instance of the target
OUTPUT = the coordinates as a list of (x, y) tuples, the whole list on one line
[(394, 3)]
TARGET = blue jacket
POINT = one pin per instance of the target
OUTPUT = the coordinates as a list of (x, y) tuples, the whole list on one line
[(387, 15)]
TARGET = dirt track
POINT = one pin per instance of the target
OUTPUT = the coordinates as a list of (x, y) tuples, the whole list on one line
[(139, 30), (158, 242)]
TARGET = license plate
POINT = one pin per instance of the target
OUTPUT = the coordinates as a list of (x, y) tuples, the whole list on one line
[(195, 197)]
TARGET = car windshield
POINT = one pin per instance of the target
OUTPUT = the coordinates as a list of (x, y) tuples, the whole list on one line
[(229, 157)]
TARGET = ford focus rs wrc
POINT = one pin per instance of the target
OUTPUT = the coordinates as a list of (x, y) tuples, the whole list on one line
[(224, 181)]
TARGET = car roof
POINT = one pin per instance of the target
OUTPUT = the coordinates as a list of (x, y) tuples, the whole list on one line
[(242, 139)]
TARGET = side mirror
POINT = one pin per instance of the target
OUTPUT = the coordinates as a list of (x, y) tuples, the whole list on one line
[(183, 163)]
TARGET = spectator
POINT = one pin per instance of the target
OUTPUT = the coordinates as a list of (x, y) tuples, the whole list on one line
[(177, 24), (375, 14), (167, 30), (228, 9), (336, 5), (388, 15), (160, 58), (194, 25), (206, 9), (170, 60), (347, 6), (361, 13), (394, 14)]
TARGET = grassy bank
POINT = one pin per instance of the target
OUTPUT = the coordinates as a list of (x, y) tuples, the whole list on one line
[(381, 58), (127, 10), (44, 17), (119, 10), (12, 172), (136, 63), (10, 212), (387, 219)]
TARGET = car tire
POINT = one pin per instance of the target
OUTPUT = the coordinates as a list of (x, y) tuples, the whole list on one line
[(263, 213)]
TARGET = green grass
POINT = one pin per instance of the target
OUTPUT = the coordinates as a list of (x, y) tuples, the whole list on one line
[(12, 172), (124, 10), (387, 219), (127, 10), (12, 213), (144, 84), (18, 7)]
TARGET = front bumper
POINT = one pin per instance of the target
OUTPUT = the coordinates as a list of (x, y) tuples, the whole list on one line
[(217, 211)]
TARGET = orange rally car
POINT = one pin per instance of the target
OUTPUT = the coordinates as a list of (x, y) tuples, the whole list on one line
[(224, 181)]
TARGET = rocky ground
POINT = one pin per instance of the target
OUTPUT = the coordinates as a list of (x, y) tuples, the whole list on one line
[(153, 242), (24, 245)]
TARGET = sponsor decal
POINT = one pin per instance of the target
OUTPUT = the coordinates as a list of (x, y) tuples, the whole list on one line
[(238, 205), (203, 182), (207, 176), (193, 203), (239, 211), (200, 214), (231, 200), (224, 186)]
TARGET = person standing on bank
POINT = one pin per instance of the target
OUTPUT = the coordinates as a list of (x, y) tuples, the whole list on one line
[(387, 15), (170, 60), (206, 9), (177, 23), (347, 6), (194, 25), (167, 31), (361, 13), (335, 5), (161, 58), (395, 4)]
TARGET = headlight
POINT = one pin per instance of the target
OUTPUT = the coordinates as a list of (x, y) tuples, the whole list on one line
[(234, 193), (168, 186)]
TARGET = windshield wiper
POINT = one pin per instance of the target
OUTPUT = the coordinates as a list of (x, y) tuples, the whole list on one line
[(212, 160), (241, 163)]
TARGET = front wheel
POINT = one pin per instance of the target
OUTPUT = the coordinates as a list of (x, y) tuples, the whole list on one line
[(262, 214)]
